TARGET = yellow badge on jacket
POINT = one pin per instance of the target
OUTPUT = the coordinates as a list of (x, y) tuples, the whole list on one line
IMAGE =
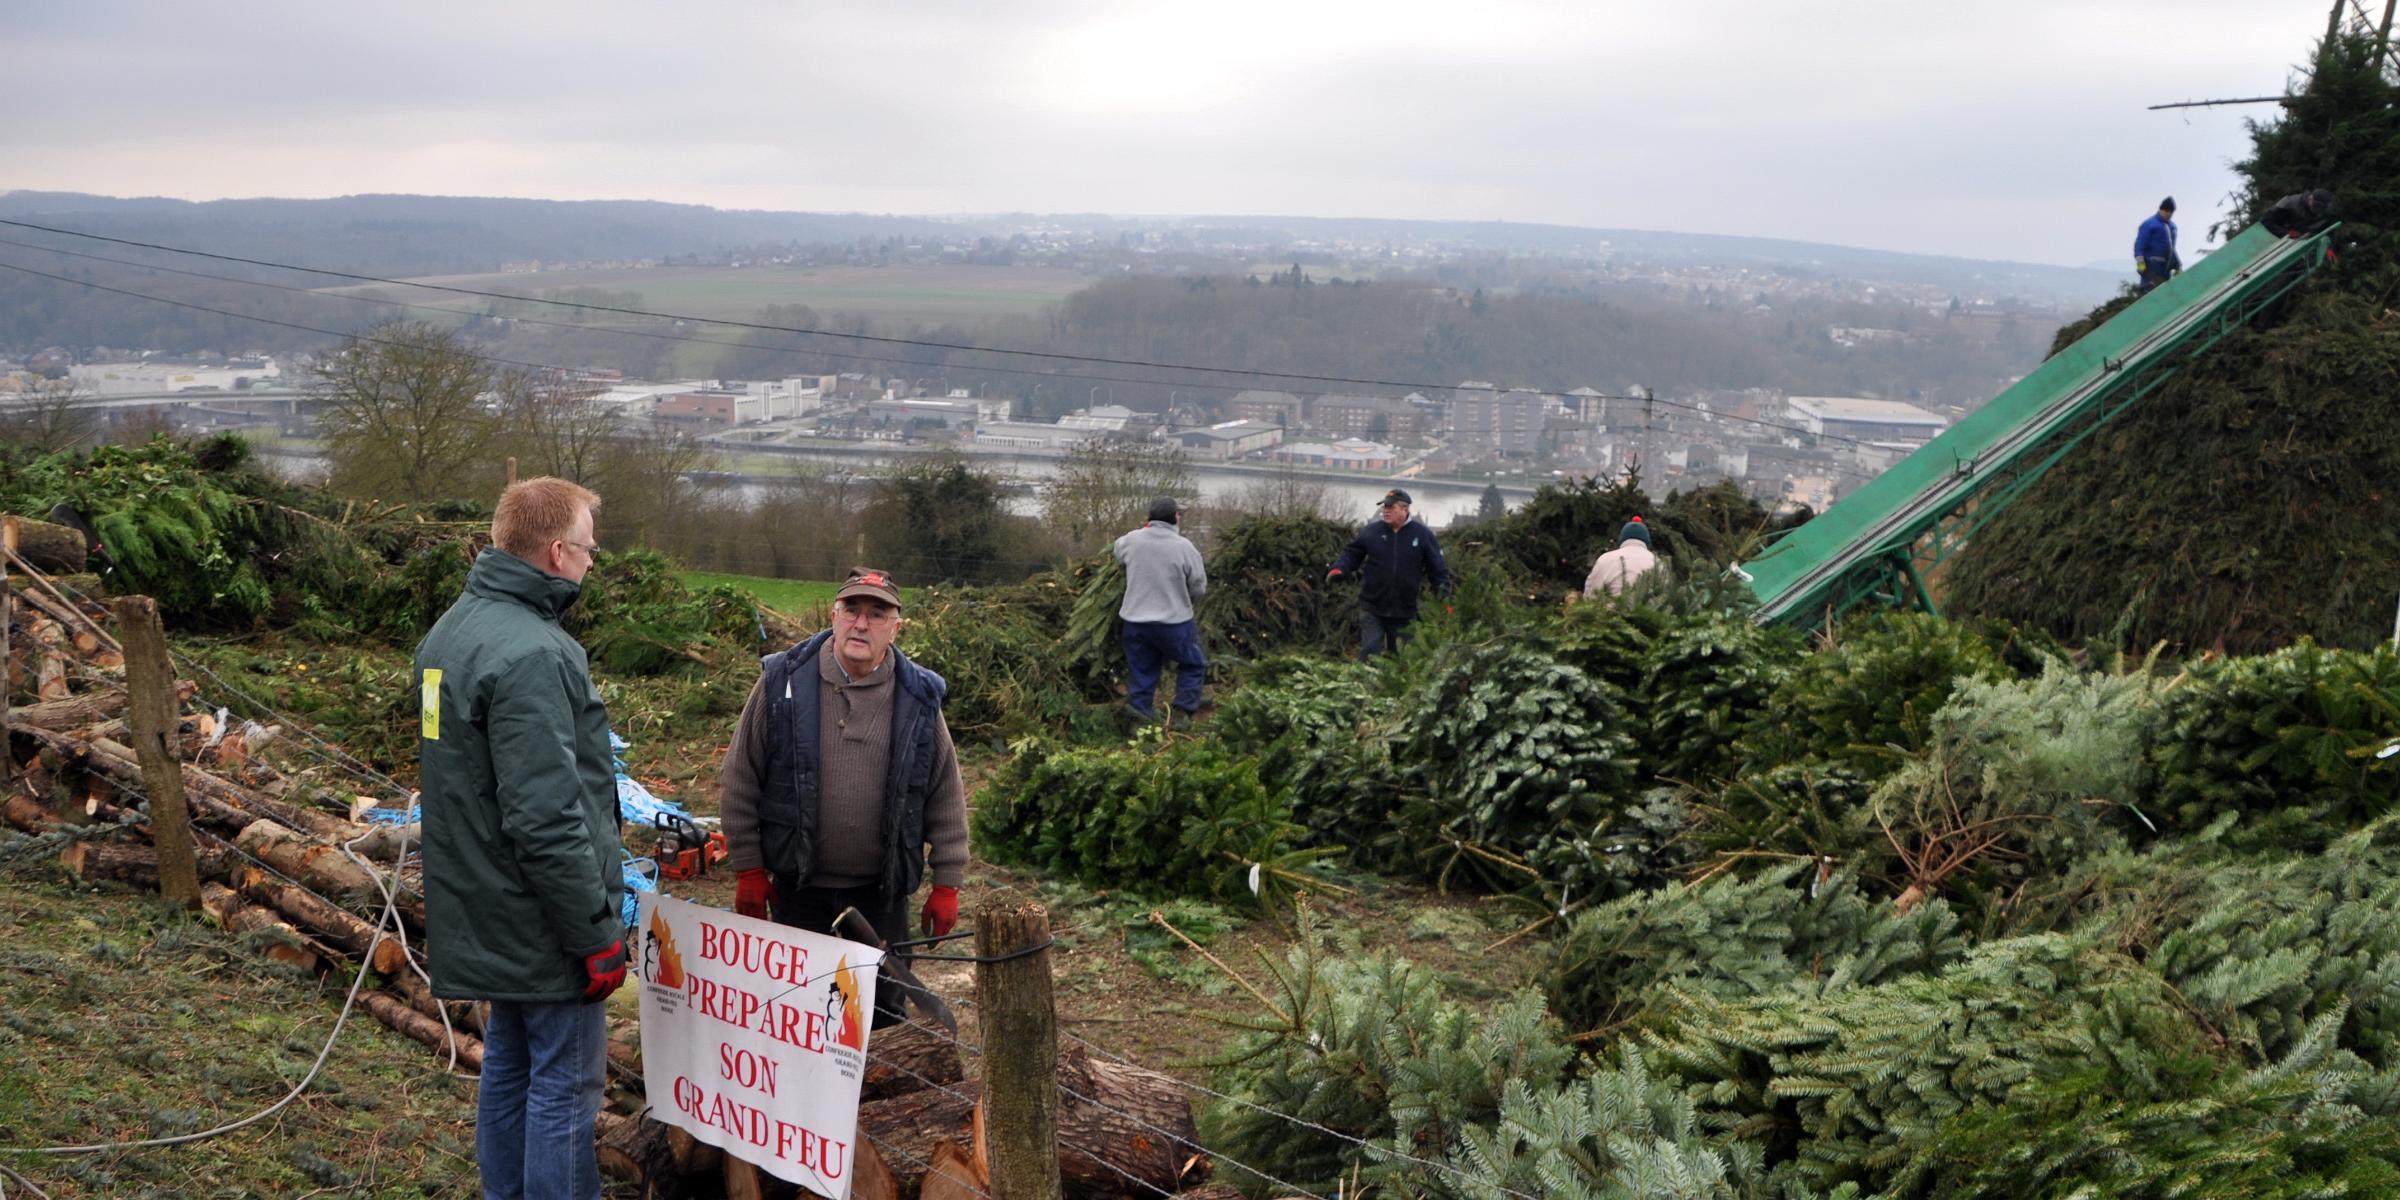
[(429, 705)]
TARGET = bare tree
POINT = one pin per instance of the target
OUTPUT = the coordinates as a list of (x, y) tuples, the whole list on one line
[(1282, 494), (404, 417), (1104, 487), (652, 497), (556, 426), (55, 415)]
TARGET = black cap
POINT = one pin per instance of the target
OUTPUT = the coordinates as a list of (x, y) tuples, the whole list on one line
[(1164, 508), (2167, 205), (1395, 496)]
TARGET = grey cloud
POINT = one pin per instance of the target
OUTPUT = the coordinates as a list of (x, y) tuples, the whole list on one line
[(2014, 131)]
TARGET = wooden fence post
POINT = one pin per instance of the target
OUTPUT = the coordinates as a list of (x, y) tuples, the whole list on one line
[(512, 470), (150, 710), (1020, 1052)]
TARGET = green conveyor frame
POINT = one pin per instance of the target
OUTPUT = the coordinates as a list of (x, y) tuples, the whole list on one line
[(1876, 544)]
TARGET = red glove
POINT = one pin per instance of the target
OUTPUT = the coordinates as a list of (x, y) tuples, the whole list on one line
[(751, 891), (941, 911), (606, 970), (1335, 573)]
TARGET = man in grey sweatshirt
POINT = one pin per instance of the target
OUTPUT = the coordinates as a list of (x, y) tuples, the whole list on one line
[(1163, 575)]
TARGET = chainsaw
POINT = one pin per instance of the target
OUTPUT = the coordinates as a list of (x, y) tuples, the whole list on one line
[(683, 851)]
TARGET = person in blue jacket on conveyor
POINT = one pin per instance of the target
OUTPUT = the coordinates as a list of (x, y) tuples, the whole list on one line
[(2154, 256)]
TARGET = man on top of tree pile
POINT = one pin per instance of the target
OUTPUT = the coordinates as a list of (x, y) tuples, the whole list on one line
[(1399, 556), (1163, 575), (522, 885), (840, 777), (2154, 257), (1616, 570), (2299, 214)]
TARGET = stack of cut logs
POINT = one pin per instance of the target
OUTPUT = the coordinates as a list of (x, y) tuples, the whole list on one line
[(67, 763)]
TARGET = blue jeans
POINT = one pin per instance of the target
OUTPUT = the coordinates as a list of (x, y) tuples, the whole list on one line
[(543, 1067), (1149, 645), (1379, 634)]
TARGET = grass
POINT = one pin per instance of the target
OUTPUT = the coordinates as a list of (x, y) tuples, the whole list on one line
[(122, 1019), (793, 597)]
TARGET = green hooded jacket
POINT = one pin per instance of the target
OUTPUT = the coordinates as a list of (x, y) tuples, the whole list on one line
[(522, 875)]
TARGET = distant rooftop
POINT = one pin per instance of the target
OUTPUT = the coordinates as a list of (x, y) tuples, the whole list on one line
[(1859, 408)]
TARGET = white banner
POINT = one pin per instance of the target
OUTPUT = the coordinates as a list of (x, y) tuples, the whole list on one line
[(754, 1037)]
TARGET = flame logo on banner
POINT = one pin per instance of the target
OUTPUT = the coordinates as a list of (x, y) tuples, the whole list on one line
[(849, 1030), (667, 971)]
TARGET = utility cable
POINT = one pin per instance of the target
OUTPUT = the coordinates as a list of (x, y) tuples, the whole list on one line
[(921, 343)]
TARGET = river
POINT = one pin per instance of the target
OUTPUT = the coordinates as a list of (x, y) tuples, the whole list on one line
[(1347, 496)]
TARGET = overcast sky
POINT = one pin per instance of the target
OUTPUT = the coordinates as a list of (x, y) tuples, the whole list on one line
[(1993, 130)]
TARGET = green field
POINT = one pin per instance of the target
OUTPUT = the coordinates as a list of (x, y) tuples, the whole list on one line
[(795, 597), (927, 294)]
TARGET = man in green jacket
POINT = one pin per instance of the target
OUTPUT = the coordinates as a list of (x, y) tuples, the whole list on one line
[(522, 882)]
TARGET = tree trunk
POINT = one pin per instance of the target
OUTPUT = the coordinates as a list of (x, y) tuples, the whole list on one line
[(329, 921), (236, 915), (909, 1127), (317, 864), (1135, 1121), (693, 1156), (909, 1058), (954, 1175), (1092, 1137), (395, 1012), (464, 1014), (25, 813), (132, 863), (639, 1150), (50, 549), (75, 712)]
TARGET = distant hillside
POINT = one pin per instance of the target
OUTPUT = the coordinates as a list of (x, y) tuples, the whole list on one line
[(2030, 281), (435, 235)]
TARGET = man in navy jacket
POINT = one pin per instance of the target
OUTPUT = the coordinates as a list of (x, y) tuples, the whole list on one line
[(1394, 556), (2154, 256)]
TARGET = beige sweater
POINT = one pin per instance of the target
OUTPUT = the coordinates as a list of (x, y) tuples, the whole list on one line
[(854, 744)]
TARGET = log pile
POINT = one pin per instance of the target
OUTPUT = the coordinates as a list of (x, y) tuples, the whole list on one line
[(272, 869)]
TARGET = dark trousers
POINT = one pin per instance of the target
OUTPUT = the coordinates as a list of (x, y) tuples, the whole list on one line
[(816, 908), (2154, 273), (1149, 645), (1380, 634)]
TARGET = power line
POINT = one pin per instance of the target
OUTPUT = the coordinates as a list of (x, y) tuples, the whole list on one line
[(922, 343), (610, 331)]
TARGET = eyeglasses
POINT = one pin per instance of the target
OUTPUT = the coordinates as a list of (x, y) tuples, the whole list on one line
[(590, 549), (864, 613)]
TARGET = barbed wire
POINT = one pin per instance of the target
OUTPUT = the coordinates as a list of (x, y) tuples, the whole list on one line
[(1363, 1144)]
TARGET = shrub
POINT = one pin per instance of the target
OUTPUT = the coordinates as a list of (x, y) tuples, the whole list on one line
[(2285, 742), (1155, 818)]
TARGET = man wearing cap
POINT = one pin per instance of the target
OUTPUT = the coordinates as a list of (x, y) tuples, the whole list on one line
[(842, 778), (1393, 556), (1163, 575), (2154, 256), (1616, 570)]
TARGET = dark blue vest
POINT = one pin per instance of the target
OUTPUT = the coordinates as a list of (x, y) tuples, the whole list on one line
[(787, 811)]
